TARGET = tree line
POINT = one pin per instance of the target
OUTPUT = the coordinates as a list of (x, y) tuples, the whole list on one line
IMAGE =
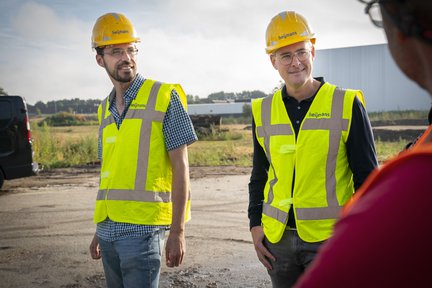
[(80, 106)]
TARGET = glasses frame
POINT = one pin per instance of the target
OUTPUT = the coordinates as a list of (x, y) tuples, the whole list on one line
[(282, 57), (118, 53), (402, 17), (371, 4)]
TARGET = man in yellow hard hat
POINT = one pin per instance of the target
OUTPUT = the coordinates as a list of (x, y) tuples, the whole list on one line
[(383, 236), (313, 146), (144, 178)]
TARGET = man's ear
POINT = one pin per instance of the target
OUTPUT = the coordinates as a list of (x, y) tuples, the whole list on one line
[(273, 60), (313, 51), (100, 61)]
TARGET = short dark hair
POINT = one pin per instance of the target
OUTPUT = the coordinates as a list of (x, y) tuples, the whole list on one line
[(99, 50)]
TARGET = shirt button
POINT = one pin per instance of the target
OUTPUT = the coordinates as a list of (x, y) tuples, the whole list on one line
[(297, 122), (298, 107)]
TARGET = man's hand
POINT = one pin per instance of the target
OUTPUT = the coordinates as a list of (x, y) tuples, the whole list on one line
[(94, 248), (262, 252), (176, 244), (175, 249)]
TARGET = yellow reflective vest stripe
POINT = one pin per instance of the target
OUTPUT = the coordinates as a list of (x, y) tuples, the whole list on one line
[(136, 173), (323, 179)]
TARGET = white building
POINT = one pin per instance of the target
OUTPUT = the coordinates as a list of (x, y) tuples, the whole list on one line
[(372, 70), (368, 68)]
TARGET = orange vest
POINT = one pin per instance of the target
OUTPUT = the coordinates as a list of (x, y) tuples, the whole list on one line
[(422, 147)]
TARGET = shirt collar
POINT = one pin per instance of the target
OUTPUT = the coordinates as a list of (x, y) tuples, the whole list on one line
[(310, 99), (131, 92)]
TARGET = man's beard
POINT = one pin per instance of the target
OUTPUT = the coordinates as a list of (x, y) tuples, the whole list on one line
[(122, 79)]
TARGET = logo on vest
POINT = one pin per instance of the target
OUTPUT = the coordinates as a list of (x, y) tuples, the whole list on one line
[(137, 106), (319, 115)]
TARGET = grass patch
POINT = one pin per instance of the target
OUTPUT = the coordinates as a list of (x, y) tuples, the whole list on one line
[(397, 115), (56, 147), (69, 119), (217, 134), (387, 150), (229, 145)]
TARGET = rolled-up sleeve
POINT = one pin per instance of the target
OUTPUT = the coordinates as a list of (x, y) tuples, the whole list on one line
[(177, 127)]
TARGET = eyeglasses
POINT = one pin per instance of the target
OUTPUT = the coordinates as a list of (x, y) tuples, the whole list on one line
[(373, 9), (286, 59), (118, 52)]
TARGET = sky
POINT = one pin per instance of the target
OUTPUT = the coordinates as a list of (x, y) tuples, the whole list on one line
[(207, 46)]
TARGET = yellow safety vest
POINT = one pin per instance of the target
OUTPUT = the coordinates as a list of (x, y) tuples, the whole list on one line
[(136, 173), (323, 179)]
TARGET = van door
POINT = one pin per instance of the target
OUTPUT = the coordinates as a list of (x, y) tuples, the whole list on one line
[(16, 153)]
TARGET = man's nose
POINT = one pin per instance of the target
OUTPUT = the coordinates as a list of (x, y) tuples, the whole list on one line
[(295, 60), (125, 55)]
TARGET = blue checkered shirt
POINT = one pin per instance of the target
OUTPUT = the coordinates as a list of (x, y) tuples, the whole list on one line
[(177, 129)]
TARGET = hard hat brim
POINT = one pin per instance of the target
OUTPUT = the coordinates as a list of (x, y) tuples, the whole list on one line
[(272, 49), (114, 42)]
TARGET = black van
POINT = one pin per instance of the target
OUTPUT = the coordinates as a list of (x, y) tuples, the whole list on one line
[(16, 153)]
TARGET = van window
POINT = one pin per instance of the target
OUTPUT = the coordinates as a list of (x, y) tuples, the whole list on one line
[(6, 136), (5, 113)]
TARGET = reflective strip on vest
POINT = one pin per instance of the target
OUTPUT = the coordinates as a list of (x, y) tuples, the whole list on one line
[(149, 115), (266, 131), (336, 124), (428, 138)]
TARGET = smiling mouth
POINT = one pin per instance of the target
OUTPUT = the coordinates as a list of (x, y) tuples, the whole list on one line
[(296, 72), (125, 68)]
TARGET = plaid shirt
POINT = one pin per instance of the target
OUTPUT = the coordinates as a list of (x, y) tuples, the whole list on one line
[(177, 129)]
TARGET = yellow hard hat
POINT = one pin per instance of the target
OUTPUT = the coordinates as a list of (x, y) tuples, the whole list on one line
[(113, 28), (287, 28)]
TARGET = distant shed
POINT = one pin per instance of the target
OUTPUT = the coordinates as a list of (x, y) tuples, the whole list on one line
[(222, 109)]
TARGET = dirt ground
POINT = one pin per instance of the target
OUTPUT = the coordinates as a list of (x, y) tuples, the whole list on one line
[(46, 228)]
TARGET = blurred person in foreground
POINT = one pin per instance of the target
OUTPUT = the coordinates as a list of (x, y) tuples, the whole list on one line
[(313, 147), (144, 179), (383, 237)]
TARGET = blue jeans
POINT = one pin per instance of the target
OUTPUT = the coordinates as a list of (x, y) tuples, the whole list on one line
[(133, 262), (292, 255)]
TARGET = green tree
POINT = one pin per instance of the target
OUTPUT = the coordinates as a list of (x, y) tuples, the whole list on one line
[(280, 86), (190, 99), (3, 92), (247, 110)]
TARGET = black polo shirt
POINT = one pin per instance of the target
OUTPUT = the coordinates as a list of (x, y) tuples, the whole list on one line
[(360, 151)]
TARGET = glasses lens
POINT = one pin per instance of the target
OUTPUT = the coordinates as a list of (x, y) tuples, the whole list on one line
[(132, 51), (302, 55), (118, 53), (287, 59), (375, 15)]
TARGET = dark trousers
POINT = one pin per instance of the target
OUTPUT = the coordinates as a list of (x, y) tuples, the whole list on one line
[(292, 255)]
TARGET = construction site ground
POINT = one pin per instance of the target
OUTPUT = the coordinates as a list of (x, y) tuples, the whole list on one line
[(46, 228)]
